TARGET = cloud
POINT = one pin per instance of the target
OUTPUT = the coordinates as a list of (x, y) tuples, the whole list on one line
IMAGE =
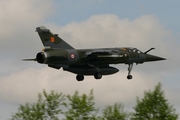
[(23, 86), (109, 30), (18, 40), (22, 14), (18, 22)]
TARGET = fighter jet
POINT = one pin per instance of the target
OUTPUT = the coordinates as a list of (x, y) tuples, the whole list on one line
[(94, 62)]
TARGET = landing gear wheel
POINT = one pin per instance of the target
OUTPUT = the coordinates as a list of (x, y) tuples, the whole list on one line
[(98, 75), (129, 77), (80, 77)]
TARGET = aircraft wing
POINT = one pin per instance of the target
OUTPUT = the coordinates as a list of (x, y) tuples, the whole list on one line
[(101, 52), (94, 54)]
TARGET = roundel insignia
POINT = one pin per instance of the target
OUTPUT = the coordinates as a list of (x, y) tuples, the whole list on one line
[(72, 56)]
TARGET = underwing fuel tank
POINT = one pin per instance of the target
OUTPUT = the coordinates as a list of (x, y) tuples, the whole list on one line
[(91, 71)]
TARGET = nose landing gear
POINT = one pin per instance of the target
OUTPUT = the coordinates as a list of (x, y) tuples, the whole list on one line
[(130, 66)]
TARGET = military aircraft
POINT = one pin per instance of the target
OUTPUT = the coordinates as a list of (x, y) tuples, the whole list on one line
[(59, 54)]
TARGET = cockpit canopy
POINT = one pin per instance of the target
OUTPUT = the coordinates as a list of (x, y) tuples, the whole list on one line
[(128, 49)]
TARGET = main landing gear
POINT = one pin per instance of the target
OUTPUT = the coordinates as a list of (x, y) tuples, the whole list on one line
[(80, 77), (97, 74), (130, 66)]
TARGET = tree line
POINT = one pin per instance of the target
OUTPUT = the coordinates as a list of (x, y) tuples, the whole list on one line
[(58, 106)]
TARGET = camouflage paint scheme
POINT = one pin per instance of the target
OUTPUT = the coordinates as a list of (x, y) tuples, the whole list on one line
[(59, 54)]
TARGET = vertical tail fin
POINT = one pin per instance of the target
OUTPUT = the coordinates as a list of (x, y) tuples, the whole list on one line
[(51, 40)]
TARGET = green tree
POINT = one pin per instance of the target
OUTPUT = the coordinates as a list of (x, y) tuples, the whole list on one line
[(154, 106), (81, 107), (115, 112), (47, 107)]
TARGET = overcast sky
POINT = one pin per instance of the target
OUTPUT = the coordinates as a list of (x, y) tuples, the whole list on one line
[(88, 24)]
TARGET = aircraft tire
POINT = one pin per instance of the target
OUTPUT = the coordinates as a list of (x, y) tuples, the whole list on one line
[(80, 77), (98, 75), (129, 77)]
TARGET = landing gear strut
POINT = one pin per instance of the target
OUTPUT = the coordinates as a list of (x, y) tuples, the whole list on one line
[(80, 77), (130, 66), (98, 74)]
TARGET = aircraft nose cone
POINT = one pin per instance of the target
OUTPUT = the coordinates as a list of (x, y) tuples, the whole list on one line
[(153, 58)]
